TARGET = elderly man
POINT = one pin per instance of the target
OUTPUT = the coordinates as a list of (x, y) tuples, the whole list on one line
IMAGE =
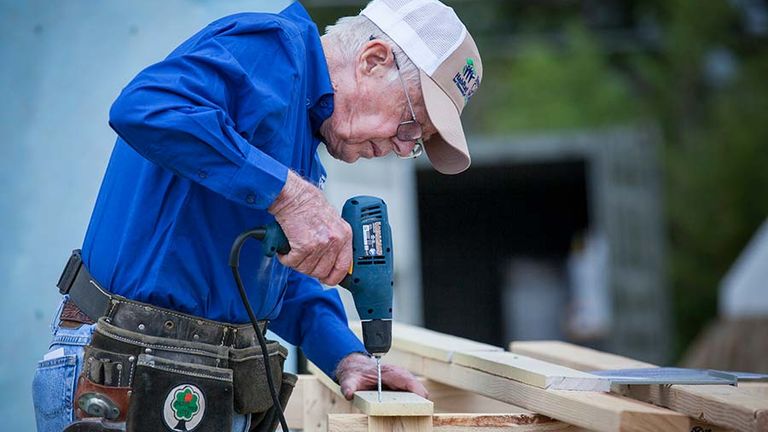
[(219, 137)]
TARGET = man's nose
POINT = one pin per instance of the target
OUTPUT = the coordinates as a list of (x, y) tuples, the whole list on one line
[(402, 148)]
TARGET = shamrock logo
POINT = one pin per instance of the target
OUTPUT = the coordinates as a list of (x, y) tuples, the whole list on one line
[(184, 408)]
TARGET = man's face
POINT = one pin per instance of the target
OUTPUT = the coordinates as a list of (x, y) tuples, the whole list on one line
[(369, 105)]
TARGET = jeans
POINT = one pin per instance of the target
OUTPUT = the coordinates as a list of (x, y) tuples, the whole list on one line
[(53, 387)]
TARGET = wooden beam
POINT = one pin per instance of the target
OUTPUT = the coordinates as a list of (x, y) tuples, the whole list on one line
[(428, 343), (725, 406), (531, 371), (392, 404), (400, 424), (449, 399), (574, 356), (463, 423), (591, 410), (310, 404)]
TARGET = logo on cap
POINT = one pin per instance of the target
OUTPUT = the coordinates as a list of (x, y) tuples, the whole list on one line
[(467, 80)]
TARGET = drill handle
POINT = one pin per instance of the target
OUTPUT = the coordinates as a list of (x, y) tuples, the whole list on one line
[(272, 237)]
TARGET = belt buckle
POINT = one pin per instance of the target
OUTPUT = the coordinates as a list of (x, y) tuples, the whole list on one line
[(70, 272)]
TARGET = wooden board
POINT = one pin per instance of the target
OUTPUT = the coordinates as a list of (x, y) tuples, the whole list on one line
[(449, 399), (591, 410), (400, 424), (531, 371), (310, 404), (428, 343), (462, 423), (574, 356), (725, 406), (392, 404)]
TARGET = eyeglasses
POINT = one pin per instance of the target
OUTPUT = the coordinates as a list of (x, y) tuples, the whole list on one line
[(409, 130)]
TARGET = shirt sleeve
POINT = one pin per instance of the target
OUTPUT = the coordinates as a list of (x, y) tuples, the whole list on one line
[(314, 319), (201, 115)]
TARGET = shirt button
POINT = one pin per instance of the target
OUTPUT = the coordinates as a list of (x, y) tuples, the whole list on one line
[(202, 174), (250, 199)]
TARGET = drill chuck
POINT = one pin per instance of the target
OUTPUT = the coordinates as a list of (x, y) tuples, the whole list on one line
[(377, 336)]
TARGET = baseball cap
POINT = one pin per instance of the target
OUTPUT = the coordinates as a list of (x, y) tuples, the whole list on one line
[(449, 63)]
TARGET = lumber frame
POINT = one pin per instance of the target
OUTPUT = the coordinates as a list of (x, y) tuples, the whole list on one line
[(742, 409), (432, 358)]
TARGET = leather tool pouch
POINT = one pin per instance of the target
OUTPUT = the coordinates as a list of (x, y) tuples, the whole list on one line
[(250, 377), (268, 421), (180, 396)]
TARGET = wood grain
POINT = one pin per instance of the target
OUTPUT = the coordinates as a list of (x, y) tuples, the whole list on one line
[(725, 406), (392, 404), (531, 371), (591, 410), (462, 423)]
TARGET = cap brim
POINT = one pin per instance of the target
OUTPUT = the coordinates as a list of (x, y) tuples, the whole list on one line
[(448, 150)]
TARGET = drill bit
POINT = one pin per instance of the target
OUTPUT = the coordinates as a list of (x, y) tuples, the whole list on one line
[(378, 375)]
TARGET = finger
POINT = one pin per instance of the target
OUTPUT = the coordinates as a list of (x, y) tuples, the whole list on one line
[(415, 386), (342, 265), (292, 259), (326, 264), (349, 385)]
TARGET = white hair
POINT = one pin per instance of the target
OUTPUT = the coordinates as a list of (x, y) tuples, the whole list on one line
[(349, 34)]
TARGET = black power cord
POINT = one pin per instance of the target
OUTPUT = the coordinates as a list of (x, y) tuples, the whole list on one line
[(234, 262)]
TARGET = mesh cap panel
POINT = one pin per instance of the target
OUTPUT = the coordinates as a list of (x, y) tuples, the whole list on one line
[(438, 27), (428, 31)]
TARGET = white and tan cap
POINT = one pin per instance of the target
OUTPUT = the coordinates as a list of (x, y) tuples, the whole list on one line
[(438, 43)]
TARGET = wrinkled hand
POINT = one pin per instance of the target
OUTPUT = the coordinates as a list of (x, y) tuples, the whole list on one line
[(358, 372), (321, 241)]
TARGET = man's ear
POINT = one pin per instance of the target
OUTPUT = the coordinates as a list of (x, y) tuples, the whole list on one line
[(375, 58)]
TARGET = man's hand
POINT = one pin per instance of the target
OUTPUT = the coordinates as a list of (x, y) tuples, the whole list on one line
[(321, 241), (358, 372)]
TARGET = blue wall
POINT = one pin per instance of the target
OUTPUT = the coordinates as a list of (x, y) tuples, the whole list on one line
[(63, 62)]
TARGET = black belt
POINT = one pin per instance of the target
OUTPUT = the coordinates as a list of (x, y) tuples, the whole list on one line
[(96, 302)]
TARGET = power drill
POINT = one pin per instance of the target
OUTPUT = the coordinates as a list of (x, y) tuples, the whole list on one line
[(370, 279)]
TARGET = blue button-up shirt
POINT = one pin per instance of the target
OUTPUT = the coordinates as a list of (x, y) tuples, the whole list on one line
[(206, 139)]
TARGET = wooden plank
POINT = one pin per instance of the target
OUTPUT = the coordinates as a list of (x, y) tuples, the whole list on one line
[(498, 423), (347, 423), (308, 408), (294, 411), (400, 424), (392, 404), (574, 356), (428, 343), (462, 423), (724, 406), (531, 371), (591, 410), (449, 399)]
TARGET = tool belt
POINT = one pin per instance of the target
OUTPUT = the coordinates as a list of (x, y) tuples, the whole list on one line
[(150, 366)]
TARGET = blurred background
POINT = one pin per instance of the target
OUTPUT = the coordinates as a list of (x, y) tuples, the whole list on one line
[(616, 197)]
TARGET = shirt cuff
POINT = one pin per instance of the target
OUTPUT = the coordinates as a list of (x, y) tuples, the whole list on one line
[(337, 342), (259, 181)]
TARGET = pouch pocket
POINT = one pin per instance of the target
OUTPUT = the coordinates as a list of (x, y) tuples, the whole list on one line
[(182, 396), (53, 388), (250, 378), (270, 420), (108, 368)]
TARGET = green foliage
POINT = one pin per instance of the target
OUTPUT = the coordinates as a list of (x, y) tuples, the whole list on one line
[(185, 405), (547, 87), (717, 184)]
